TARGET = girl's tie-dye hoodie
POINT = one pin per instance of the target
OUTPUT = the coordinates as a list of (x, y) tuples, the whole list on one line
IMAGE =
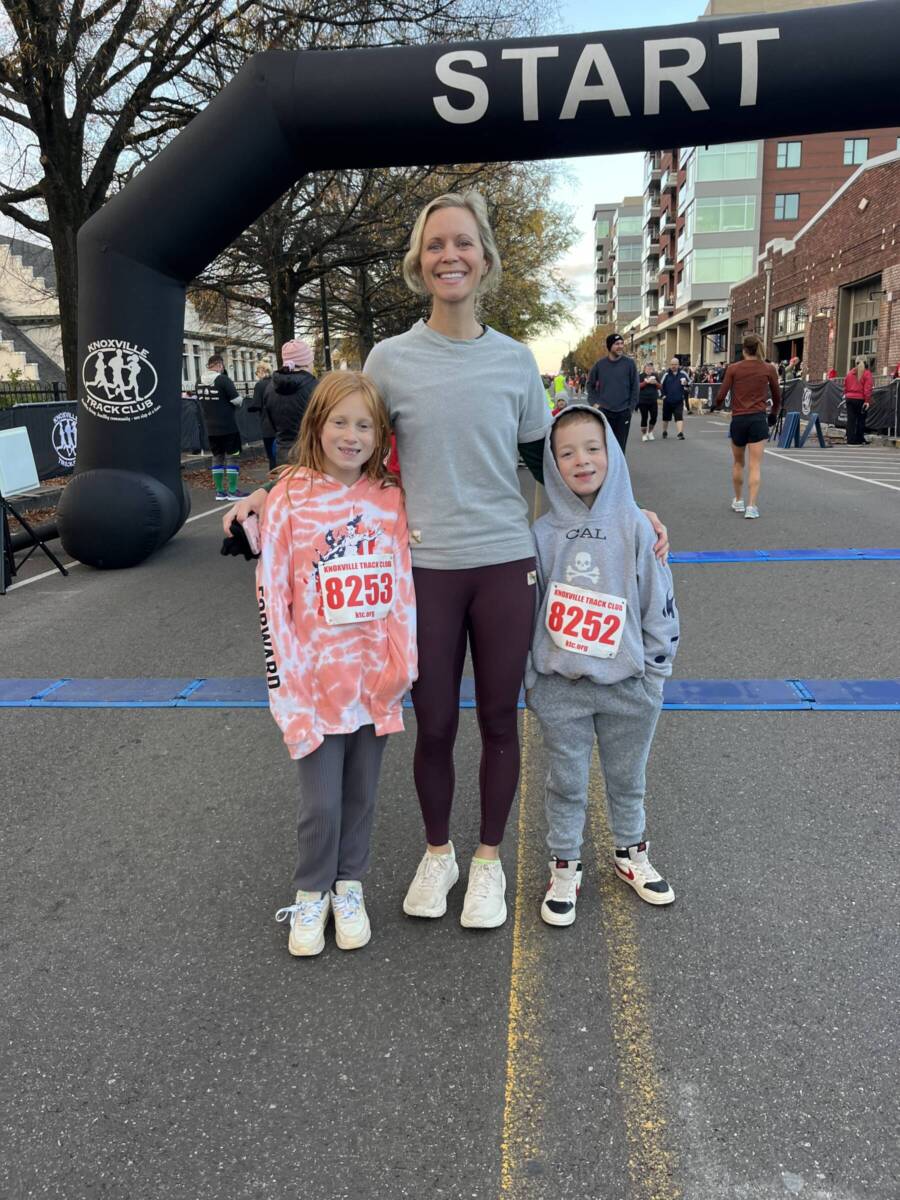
[(322, 678)]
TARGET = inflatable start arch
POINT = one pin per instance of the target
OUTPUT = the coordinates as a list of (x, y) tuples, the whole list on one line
[(286, 114)]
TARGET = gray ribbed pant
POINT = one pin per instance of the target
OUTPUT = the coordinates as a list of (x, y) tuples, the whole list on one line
[(338, 787), (622, 717)]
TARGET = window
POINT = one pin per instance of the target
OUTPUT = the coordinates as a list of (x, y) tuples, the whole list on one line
[(601, 228), (856, 150), (787, 206), (725, 214), (735, 161), (788, 154), (197, 370), (601, 277), (721, 264), (185, 376), (629, 279), (629, 226), (793, 318), (630, 253)]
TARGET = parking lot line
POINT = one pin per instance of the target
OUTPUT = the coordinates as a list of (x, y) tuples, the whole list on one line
[(832, 470)]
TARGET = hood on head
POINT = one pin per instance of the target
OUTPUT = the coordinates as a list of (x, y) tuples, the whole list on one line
[(288, 382), (616, 490)]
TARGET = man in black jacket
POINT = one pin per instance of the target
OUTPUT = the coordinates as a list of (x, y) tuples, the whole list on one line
[(219, 400), (613, 387)]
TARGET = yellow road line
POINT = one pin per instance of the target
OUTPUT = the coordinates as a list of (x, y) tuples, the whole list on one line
[(650, 1161)]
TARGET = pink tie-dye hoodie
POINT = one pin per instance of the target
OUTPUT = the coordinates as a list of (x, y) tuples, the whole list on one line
[(323, 678)]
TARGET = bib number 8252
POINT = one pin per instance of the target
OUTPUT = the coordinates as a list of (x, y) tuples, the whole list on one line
[(584, 621), (575, 622)]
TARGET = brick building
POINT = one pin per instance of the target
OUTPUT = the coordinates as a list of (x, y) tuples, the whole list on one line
[(833, 291)]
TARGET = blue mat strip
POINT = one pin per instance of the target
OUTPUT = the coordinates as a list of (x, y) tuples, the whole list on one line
[(822, 554), (681, 695)]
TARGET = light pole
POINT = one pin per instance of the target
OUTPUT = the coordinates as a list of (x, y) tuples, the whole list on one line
[(767, 267)]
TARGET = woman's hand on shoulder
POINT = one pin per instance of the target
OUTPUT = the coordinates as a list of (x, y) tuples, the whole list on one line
[(661, 546), (254, 503)]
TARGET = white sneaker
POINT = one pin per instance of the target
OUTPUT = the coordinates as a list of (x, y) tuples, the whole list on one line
[(737, 506), (484, 906), (351, 921), (309, 915), (752, 511), (435, 876), (645, 437), (634, 867), (650, 437), (558, 907)]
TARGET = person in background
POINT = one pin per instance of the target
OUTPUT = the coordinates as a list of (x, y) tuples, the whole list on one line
[(258, 405), (674, 387), (613, 387), (288, 395), (648, 401), (750, 381), (858, 394), (219, 399), (832, 374)]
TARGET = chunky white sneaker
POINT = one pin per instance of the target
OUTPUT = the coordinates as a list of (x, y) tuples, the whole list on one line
[(435, 876), (650, 437), (485, 905), (558, 907), (351, 921), (737, 506), (752, 511), (633, 865), (645, 437), (309, 915)]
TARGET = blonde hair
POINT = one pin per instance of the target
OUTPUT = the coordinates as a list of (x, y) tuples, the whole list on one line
[(752, 344), (860, 367), (332, 388), (263, 370), (474, 203)]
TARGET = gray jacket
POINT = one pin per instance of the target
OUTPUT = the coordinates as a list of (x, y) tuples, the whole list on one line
[(608, 549)]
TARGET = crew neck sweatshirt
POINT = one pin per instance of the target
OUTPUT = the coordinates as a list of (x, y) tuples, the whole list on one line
[(459, 408)]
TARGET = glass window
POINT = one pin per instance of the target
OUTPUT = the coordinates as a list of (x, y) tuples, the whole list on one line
[(733, 161), (601, 228), (185, 365), (788, 154), (629, 226), (197, 371), (856, 150), (725, 214), (722, 264), (787, 206), (630, 252), (629, 279)]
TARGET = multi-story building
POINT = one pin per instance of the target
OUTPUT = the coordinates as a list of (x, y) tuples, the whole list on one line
[(604, 220), (618, 230)]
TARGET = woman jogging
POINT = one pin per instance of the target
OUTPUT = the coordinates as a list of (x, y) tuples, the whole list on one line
[(750, 381), (464, 401)]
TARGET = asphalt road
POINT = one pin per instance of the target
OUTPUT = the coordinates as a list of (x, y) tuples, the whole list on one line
[(158, 1040)]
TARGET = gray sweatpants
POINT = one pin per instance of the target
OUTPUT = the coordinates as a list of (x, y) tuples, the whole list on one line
[(622, 717), (338, 787)]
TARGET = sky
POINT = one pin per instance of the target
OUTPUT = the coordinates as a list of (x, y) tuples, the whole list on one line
[(591, 181)]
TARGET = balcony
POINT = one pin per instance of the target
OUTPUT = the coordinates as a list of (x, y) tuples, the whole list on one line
[(651, 243), (651, 207), (650, 283), (666, 266), (666, 220), (669, 181), (652, 170)]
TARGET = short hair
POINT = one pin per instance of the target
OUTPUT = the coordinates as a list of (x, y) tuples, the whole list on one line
[(569, 416), (474, 202), (263, 370), (215, 358)]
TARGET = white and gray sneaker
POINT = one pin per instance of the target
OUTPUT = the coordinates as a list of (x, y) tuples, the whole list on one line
[(752, 511), (558, 907), (737, 506), (635, 868), (351, 921), (434, 877), (308, 915), (485, 905)]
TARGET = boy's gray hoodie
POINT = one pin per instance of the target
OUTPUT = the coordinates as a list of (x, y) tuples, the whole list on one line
[(607, 548)]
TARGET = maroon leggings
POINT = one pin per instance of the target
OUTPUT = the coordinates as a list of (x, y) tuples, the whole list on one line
[(493, 608)]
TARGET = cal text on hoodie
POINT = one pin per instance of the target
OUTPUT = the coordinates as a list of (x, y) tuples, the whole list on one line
[(325, 678)]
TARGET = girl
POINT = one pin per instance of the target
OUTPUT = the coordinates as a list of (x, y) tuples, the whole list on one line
[(750, 381), (338, 620)]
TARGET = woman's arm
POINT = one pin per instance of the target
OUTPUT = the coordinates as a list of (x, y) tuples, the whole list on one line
[(533, 457)]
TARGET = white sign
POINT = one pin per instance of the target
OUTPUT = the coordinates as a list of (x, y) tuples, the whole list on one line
[(119, 381), (64, 436), (357, 589), (584, 621)]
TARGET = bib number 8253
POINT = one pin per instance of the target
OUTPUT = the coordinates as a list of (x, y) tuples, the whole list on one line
[(357, 591), (360, 588)]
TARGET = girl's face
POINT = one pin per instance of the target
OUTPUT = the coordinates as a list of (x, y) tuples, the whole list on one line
[(348, 439), (452, 259)]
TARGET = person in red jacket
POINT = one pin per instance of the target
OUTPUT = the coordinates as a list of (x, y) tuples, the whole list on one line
[(858, 394)]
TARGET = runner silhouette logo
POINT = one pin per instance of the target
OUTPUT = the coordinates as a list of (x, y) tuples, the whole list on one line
[(119, 381), (806, 403), (64, 436)]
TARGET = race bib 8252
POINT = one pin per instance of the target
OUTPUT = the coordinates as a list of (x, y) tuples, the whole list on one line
[(584, 621), (357, 589)]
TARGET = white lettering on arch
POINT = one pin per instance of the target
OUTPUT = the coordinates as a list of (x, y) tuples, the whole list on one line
[(445, 70), (529, 56), (679, 74), (594, 56), (749, 40)]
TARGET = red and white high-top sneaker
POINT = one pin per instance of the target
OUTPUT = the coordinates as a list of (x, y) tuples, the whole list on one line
[(635, 868), (558, 907)]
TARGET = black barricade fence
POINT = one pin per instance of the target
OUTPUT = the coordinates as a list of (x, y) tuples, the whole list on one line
[(194, 437), (827, 400), (31, 391), (52, 431), (707, 392)]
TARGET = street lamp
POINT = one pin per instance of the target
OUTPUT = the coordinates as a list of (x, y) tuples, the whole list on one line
[(767, 267)]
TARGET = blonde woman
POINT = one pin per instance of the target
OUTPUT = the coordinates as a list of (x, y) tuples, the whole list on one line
[(464, 401), (750, 381), (258, 405), (858, 394)]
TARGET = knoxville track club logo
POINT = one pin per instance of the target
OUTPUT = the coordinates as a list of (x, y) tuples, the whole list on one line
[(119, 381)]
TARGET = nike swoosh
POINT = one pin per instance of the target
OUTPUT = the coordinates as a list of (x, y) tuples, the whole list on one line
[(629, 874)]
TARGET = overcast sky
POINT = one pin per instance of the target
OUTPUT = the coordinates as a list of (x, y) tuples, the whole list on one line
[(596, 180)]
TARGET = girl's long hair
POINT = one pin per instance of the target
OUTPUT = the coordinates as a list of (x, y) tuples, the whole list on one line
[(332, 388), (860, 367), (752, 344)]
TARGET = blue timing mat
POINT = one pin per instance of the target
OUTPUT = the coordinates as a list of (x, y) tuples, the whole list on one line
[(822, 554), (681, 695)]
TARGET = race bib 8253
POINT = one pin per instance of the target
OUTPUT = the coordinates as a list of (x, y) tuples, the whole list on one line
[(584, 621), (357, 589)]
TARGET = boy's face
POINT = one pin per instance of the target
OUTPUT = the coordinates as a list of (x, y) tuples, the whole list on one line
[(579, 448)]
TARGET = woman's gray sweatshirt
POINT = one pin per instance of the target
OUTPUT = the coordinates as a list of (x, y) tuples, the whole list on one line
[(607, 549)]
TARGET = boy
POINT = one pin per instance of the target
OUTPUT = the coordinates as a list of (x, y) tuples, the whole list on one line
[(605, 636)]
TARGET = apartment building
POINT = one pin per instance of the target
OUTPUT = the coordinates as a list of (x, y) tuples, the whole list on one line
[(618, 230), (604, 221)]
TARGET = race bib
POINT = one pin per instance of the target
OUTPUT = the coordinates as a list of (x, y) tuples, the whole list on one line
[(585, 622), (357, 589)]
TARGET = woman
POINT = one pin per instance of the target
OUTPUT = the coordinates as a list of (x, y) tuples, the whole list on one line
[(648, 401), (258, 405), (288, 395), (464, 401), (750, 381), (858, 394)]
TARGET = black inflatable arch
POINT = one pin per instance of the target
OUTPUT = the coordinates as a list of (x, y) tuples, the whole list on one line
[(286, 113)]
